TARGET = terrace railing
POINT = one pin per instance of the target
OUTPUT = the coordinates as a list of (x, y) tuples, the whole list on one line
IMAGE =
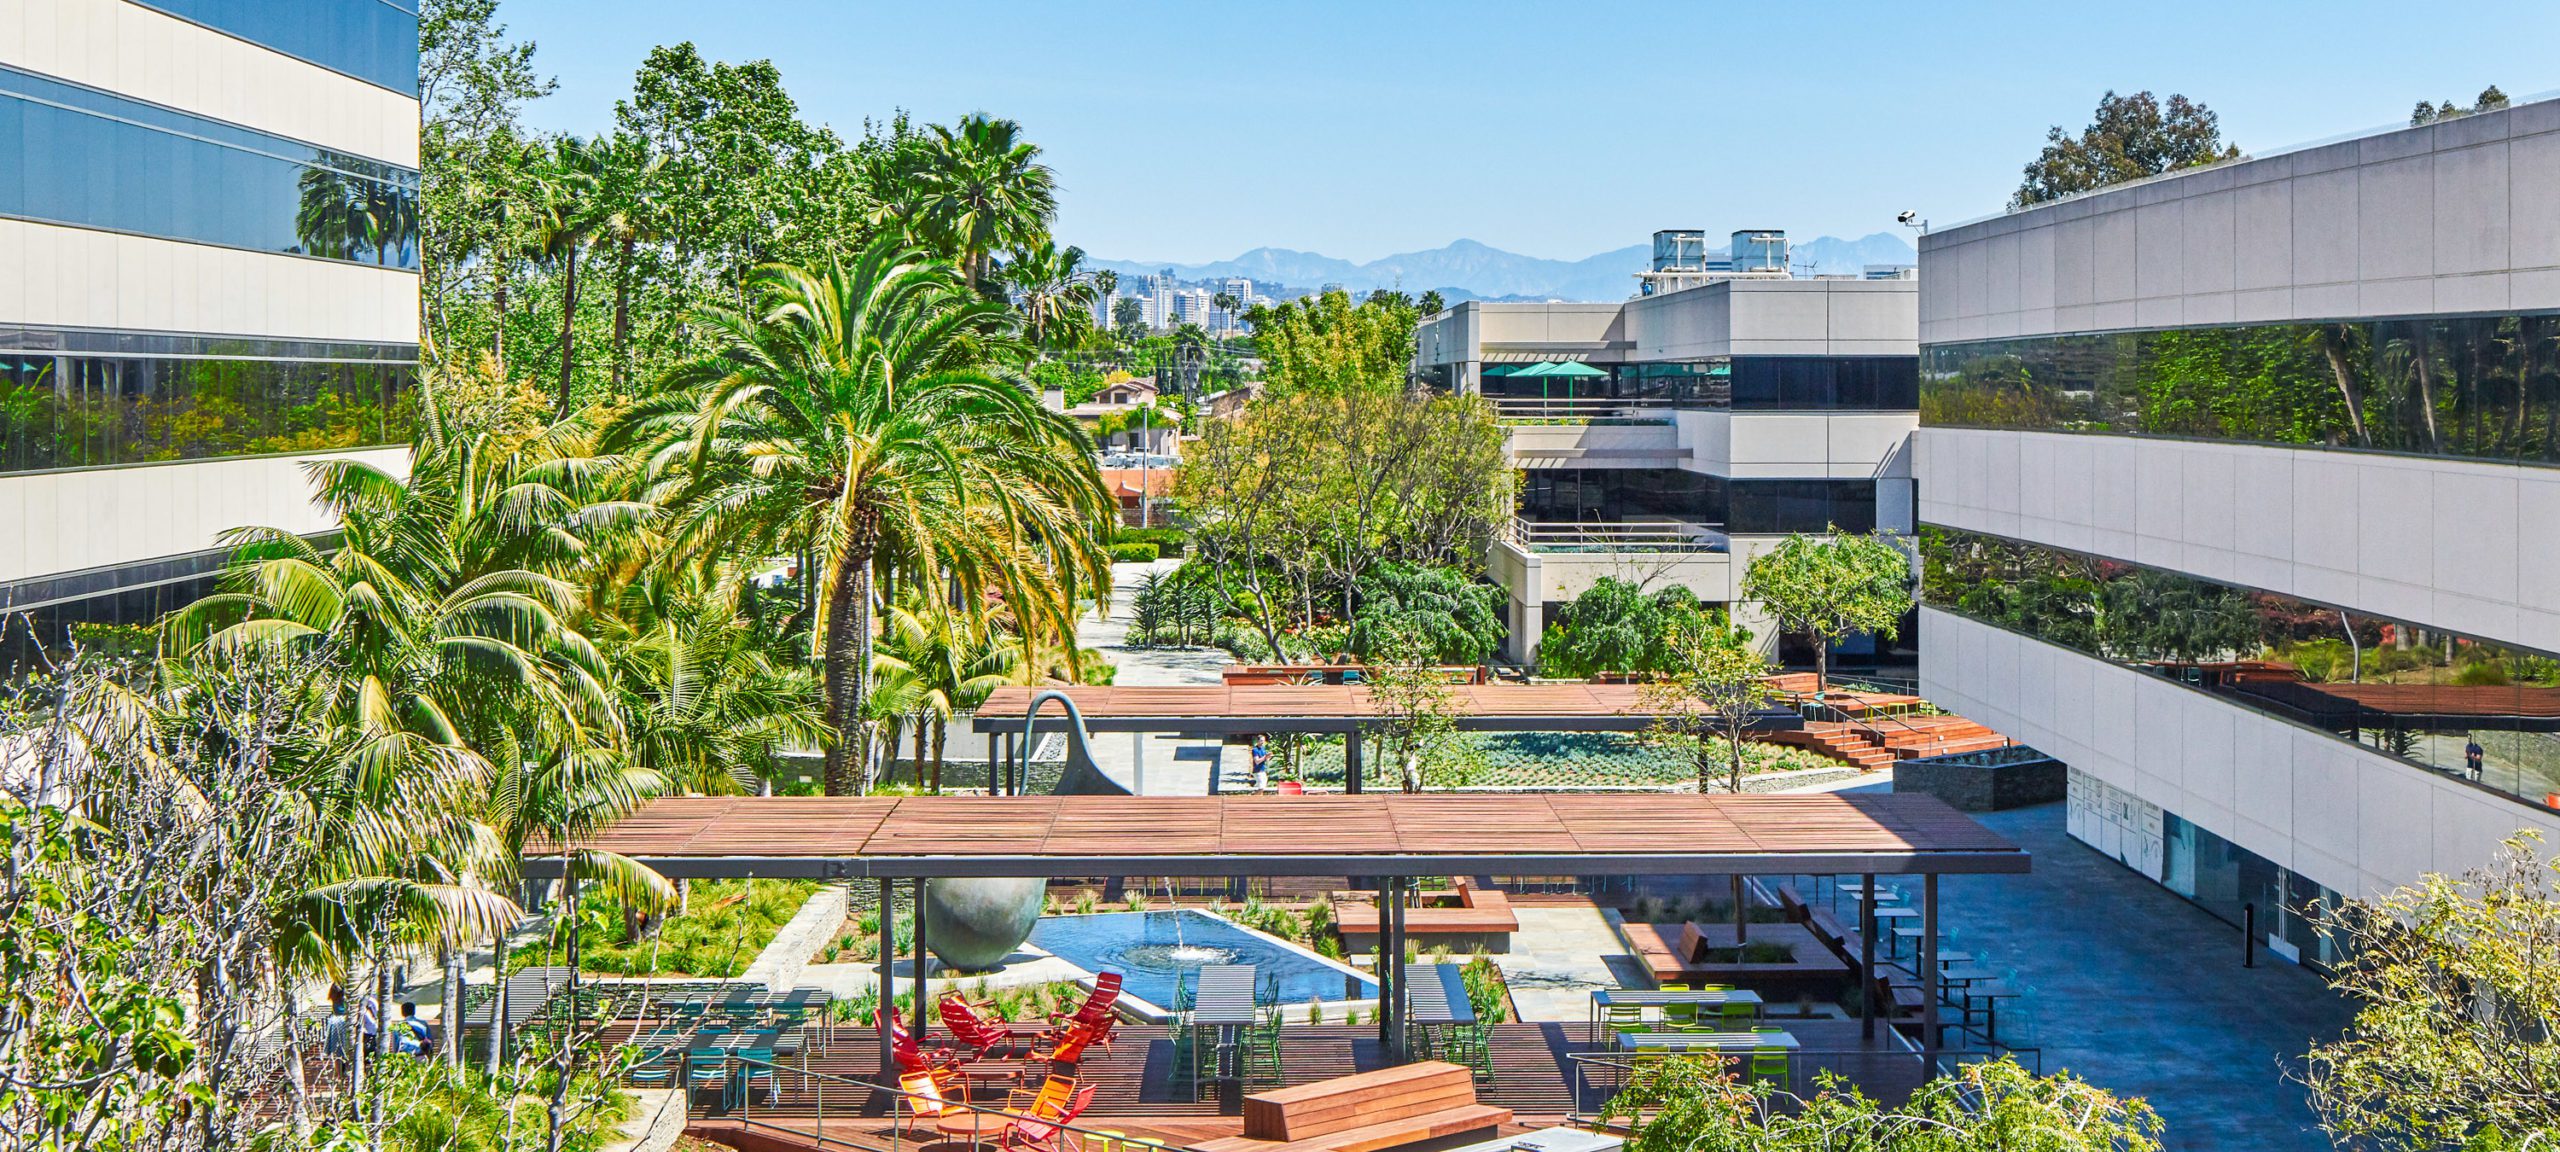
[(1635, 536), (1598, 1076), (872, 1117), (1581, 410)]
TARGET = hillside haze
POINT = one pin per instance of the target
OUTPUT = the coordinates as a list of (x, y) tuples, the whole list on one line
[(1466, 269)]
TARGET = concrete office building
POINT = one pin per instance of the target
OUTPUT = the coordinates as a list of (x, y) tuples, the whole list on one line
[(2297, 420), (1670, 438), (208, 253)]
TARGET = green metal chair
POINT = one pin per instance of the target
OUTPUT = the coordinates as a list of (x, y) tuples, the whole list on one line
[(1680, 1018), (1626, 1018), (1771, 1065)]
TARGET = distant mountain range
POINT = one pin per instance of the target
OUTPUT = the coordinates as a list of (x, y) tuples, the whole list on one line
[(1467, 270)]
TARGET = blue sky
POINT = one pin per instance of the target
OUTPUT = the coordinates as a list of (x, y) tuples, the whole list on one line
[(1193, 131)]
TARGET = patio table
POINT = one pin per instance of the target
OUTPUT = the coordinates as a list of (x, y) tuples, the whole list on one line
[(1706, 1041), (1222, 998), (1603, 999), (1990, 994)]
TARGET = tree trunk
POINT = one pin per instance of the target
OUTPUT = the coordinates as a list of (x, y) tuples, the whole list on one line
[(383, 992), (2423, 360), (452, 1004), (497, 1006), (498, 316), (622, 321), (1821, 665), (924, 726), (1733, 749), (2333, 345), (568, 327), (559, 1111), (941, 733), (847, 666)]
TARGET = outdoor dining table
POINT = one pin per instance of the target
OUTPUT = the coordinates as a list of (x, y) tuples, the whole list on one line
[(1436, 997), (1603, 999), (1990, 994), (1705, 1041), (1222, 999)]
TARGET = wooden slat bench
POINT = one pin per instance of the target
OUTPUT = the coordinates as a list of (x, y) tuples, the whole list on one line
[(1372, 1111), (1470, 917)]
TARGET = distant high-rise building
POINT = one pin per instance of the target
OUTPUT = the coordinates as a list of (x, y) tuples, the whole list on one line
[(1239, 287)]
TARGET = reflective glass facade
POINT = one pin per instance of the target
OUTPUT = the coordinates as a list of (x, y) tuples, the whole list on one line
[(105, 609), (91, 159), (2484, 387), (1742, 383), (375, 41), (2475, 710), (1618, 495), (63, 411)]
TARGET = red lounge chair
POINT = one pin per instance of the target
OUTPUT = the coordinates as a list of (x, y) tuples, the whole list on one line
[(966, 1027)]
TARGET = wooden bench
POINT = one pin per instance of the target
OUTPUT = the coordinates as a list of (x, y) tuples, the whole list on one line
[(1372, 1111), (1467, 917)]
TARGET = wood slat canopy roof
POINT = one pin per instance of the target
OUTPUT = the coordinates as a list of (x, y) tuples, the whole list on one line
[(1330, 835), (1221, 708)]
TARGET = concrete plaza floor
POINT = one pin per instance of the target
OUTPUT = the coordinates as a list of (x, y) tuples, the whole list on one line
[(2142, 993)]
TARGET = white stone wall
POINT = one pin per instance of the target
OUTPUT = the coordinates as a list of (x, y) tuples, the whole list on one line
[(53, 276), (56, 522), (149, 55), (1776, 318), (2354, 820), (2455, 544), (2455, 217), (1792, 445)]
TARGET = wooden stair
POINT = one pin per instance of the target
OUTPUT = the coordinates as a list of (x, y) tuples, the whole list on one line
[(1843, 742)]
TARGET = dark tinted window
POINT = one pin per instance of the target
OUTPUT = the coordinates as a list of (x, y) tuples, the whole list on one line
[(1880, 382), (375, 41)]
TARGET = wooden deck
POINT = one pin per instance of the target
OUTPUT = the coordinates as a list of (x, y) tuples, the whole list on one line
[(1137, 1095)]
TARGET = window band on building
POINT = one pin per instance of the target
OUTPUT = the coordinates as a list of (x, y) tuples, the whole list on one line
[(2474, 710), (86, 158), (375, 41), (2475, 387)]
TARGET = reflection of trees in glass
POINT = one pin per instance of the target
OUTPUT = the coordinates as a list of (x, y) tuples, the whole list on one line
[(129, 411), (2485, 387), (354, 209), (2094, 606)]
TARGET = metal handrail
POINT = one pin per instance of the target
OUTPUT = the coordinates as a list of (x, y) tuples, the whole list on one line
[(1579, 407), (995, 1120), (1640, 536), (1586, 1066)]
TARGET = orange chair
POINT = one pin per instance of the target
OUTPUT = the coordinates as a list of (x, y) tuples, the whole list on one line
[(1038, 1132)]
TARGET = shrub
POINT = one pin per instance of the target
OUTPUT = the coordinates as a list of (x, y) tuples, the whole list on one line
[(1134, 552), (1168, 541)]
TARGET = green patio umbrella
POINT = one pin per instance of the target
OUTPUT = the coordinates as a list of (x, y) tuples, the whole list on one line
[(1571, 370)]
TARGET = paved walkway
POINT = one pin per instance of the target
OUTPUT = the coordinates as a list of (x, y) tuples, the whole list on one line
[(1173, 767), (2142, 993), (1559, 955)]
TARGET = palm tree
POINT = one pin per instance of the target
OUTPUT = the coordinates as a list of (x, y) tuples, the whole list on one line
[(1053, 292), (953, 662), (860, 416), (569, 215), (627, 218), (705, 704), (328, 218), (981, 189)]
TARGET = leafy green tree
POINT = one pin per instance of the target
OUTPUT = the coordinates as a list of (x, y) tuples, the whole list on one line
[(1432, 303), (1438, 612), (861, 415), (1614, 627), (472, 82), (2456, 982), (570, 214), (951, 663), (2131, 137), (982, 189), (1329, 344), (1713, 680), (1832, 587)]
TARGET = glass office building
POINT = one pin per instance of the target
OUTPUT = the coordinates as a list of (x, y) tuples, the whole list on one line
[(212, 281), (2236, 491)]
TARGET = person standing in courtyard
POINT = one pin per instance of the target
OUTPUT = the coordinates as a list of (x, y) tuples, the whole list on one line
[(2472, 754)]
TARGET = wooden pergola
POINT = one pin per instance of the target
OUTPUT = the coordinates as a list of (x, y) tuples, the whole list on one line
[(1218, 710), (1382, 840)]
